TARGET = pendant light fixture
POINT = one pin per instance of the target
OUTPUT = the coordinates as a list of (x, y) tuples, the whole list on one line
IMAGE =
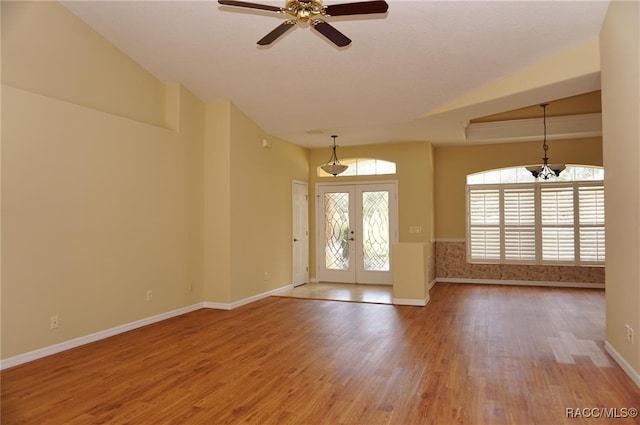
[(545, 170), (333, 166)]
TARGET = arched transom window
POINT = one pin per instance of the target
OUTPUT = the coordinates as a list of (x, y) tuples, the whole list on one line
[(363, 167)]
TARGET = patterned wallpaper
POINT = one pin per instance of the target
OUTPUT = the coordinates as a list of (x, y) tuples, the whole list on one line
[(451, 263)]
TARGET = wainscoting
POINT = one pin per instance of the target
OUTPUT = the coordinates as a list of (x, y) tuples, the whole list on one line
[(451, 265)]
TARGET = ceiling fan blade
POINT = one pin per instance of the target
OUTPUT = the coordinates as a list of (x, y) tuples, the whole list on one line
[(335, 36), (358, 8), (250, 5), (277, 32)]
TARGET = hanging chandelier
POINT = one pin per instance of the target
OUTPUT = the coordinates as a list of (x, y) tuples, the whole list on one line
[(333, 166), (545, 170)]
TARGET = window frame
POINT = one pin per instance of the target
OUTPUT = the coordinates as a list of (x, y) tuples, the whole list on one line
[(538, 187)]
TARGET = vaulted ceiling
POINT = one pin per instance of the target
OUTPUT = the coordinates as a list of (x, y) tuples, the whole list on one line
[(420, 72)]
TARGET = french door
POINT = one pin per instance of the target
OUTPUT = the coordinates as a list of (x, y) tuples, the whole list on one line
[(357, 225)]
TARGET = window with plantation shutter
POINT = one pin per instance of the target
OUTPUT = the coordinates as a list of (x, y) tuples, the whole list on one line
[(591, 200), (557, 217), (519, 224), (532, 222), (484, 217)]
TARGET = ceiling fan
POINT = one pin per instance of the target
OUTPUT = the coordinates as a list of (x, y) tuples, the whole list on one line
[(312, 11)]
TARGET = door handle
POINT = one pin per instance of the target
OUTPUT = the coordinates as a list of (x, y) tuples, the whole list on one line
[(295, 240), (352, 239)]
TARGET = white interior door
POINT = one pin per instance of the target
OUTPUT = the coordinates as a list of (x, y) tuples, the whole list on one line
[(300, 233), (357, 225)]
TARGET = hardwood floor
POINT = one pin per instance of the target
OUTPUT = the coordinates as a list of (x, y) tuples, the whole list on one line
[(475, 355)]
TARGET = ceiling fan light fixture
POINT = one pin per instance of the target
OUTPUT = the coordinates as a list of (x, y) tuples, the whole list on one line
[(333, 166), (312, 11)]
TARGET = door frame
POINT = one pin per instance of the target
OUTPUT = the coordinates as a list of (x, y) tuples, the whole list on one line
[(393, 212)]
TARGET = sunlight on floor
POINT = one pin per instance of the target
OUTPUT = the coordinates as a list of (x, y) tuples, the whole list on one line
[(377, 294)]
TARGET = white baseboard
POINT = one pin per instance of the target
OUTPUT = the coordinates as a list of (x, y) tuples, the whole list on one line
[(633, 374), (245, 301), (76, 342), (217, 306), (419, 303), (521, 282), (412, 302), (432, 284)]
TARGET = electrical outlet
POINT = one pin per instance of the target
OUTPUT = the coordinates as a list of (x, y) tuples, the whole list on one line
[(266, 276), (53, 322), (629, 333), (149, 295)]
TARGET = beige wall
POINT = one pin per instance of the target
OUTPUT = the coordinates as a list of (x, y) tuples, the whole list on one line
[(49, 51), (620, 54), (217, 201), (248, 206), (261, 207), (414, 173), (97, 209), (452, 164), (107, 194), (99, 206)]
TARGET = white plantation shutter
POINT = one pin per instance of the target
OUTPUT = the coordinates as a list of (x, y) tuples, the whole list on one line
[(536, 223), (556, 206), (519, 224), (485, 243), (591, 205), (517, 220), (484, 224), (557, 218), (558, 244), (484, 207)]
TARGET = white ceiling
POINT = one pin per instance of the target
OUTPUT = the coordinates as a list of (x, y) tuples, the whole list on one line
[(402, 66)]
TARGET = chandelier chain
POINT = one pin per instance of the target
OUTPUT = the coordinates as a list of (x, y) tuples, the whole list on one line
[(545, 171)]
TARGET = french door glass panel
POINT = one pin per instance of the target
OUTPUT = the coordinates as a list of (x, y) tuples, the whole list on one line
[(375, 230), (336, 213), (358, 224)]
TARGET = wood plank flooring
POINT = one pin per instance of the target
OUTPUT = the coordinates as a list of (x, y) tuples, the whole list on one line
[(475, 355)]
